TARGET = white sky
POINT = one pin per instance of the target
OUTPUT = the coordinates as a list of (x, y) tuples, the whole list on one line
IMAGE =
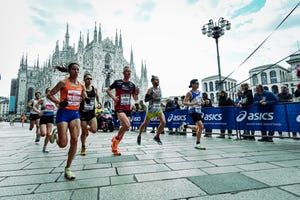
[(165, 33)]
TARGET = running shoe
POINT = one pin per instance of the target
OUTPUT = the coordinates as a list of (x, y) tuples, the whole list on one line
[(116, 152), (37, 138), (200, 147), (114, 145), (53, 136), (83, 151), (182, 126), (138, 140), (44, 150), (157, 139), (69, 174)]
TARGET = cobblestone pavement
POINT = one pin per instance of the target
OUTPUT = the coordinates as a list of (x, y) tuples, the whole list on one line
[(228, 169)]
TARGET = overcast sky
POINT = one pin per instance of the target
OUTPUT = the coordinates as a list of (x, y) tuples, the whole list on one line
[(165, 33)]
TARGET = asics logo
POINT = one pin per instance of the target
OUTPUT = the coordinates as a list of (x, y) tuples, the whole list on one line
[(298, 118)]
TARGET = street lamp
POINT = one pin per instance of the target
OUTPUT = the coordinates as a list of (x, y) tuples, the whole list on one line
[(216, 30)]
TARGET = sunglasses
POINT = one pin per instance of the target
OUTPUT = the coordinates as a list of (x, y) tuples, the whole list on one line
[(88, 79)]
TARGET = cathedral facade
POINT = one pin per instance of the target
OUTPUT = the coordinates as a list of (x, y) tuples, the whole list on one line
[(102, 58)]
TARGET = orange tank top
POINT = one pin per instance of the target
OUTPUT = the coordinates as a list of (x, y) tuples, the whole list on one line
[(72, 93)]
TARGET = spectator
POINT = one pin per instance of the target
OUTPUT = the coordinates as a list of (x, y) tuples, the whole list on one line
[(183, 107), (246, 100), (297, 92), (265, 98), (142, 107), (206, 104), (176, 103), (170, 106), (284, 97), (225, 101), (238, 97)]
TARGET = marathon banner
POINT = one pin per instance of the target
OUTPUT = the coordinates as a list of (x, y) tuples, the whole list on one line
[(280, 117)]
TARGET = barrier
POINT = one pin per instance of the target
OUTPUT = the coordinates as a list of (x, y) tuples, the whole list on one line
[(280, 117)]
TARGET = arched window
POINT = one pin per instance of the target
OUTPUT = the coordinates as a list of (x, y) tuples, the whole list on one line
[(273, 76), (107, 67), (217, 85), (264, 79), (205, 87), (211, 86), (212, 98), (30, 94), (254, 79), (275, 89)]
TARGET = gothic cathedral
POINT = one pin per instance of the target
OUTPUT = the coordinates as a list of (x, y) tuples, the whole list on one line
[(102, 58)]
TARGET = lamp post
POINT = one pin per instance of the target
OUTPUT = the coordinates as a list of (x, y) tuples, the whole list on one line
[(216, 30)]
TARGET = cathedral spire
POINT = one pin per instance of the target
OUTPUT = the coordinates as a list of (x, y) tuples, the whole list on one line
[(80, 43), (95, 32), (88, 38), (26, 60), (116, 39), (56, 47), (131, 57), (120, 41), (145, 71), (99, 34), (38, 61), (67, 37)]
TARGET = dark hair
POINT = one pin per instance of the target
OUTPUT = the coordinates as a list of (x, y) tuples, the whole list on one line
[(37, 93), (47, 89), (153, 77), (87, 74), (65, 69)]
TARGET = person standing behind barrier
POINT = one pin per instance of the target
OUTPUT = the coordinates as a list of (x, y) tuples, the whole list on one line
[(297, 92), (87, 112), (67, 116), (153, 96), (193, 99), (122, 98), (246, 100), (170, 106), (224, 101), (47, 117), (34, 117), (264, 98), (206, 104), (284, 97)]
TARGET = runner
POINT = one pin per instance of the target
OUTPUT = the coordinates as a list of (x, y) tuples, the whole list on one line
[(124, 90), (47, 117), (87, 112), (153, 96), (67, 116), (193, 100), (34, 116)]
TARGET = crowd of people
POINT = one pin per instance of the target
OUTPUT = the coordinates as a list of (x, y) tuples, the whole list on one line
[(78, 105)]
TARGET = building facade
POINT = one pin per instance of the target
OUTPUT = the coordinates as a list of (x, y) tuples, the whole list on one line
[(211, 87), (102, 58), (275, 76), (4, 102)]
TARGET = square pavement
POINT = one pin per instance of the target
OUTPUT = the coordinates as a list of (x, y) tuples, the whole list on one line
[(228, 169)]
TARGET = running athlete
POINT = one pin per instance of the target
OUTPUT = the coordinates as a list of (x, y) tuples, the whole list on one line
[(34, 116), (153, 96), (67, 116), (193, 100), (122, 98), (47, 117), (87, 112)]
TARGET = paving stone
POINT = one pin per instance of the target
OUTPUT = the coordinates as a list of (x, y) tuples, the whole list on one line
[(169, 160), (222, 183), (97, 166), (17, 190), (169, 175), (159, 155), (25, 172), (133, 163), (72, 185), (116, 180), (274, 157), (230, 161), (113, 159), (32, 179), (85, 194), (189, 165), (263, 194), (16, 166), (142, 169), (289, 163), (168, 189), (275, 177), (62, 195), (203, 157), (221, 170), (292, 188), (46, 164), (257, 166)]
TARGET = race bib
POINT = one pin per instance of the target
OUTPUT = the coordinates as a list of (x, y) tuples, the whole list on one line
[(156, 106), (74, 97), (125, 99), (89, 106), (49, 107)]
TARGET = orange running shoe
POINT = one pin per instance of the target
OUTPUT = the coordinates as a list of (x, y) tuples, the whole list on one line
[(115, 143), (116, 152)]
